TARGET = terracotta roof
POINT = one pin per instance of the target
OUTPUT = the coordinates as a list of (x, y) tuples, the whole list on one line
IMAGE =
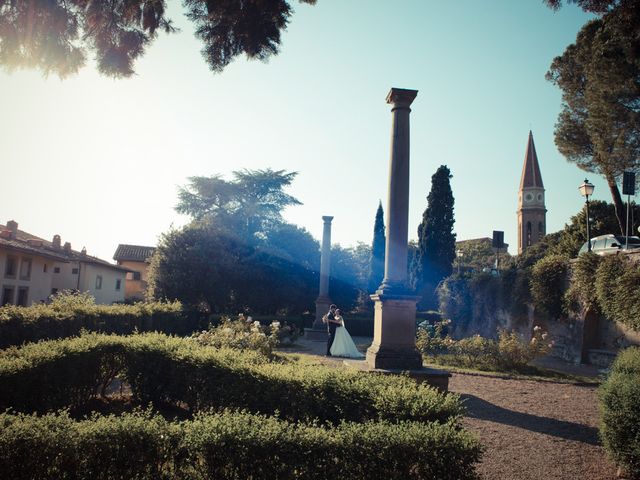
[(21, 243), (531, 169), (134, 253)]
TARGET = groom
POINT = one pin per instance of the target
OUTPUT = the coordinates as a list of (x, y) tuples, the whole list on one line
[(332, 324)]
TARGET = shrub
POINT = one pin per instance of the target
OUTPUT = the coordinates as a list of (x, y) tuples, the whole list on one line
[(620, 410), (548, 279), (68, 314), (581, 294), (617, 286), (241, 335), (163, 370), (228, 445), (509, 352)]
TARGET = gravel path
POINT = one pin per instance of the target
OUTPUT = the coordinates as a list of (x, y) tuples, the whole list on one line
[(534, 430)]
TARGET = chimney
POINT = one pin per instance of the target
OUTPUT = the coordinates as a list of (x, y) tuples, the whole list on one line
[(83, 252), (56, 242), (67, 247), (12, 226)]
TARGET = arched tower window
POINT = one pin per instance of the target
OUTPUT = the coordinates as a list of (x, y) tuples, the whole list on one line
[(528, 234), (540, 230)]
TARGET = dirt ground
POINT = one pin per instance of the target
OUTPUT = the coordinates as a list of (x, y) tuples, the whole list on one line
[(530, 429), (534, 430)]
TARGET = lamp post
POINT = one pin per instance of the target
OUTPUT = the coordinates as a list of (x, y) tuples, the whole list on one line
[(586, 189)]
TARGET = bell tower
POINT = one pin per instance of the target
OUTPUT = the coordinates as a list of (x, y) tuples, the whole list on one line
[(532, 214)]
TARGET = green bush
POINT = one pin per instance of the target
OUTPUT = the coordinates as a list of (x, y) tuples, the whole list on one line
[(162, 369), (617, 285), (548, 279), (233, 446), (509, 353), (68, 314), (582, 294), (620, 411)]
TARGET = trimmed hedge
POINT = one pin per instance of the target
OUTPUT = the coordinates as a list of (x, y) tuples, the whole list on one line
[(160, 369), (228, 445), (620, 410), (68, 316)]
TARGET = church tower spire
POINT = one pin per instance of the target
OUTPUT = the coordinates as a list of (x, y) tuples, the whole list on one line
[(532, 214)]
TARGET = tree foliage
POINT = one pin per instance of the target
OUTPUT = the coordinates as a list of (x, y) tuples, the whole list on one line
[(378, 247), (436, 240), (591, 6), (251, 204), (57, 36), (599, 125)]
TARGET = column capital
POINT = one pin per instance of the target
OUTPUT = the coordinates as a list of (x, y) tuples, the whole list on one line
[(327, 219), (401, 97)]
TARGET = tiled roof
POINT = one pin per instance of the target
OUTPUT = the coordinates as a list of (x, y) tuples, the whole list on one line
[(134, 253), (21, 243), (531, 169)]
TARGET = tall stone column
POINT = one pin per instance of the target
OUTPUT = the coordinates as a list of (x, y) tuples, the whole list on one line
[(394, 344), (319, 330)]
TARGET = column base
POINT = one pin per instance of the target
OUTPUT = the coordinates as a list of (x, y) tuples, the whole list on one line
[(388, 358), (394, 333), (318, 332)]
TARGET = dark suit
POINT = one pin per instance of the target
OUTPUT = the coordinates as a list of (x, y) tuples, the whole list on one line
[(332, 330)]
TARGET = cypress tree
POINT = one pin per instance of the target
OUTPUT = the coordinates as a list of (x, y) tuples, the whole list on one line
[(378, 246), (436, 240)]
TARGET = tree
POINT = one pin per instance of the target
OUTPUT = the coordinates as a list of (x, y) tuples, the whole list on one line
[(249, 205), (599, 125), (591, 6), (294, 244), (56, 36), (202, 266), (378, 247), (436, 240)]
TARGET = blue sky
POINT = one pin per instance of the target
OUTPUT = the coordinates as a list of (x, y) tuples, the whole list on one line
[(98, 161)]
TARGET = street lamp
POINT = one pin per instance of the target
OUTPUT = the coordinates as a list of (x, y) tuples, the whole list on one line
[(586, 189)]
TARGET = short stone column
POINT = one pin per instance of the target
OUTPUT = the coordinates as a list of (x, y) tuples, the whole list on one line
[(319, 330), (394, 333)]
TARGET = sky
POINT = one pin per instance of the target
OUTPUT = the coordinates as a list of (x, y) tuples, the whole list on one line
[(99, 161)]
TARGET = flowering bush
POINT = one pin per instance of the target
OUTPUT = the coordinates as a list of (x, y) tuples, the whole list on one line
[(241, 334), (509, 352), (431, 339)]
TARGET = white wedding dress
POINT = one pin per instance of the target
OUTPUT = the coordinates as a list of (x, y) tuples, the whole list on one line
[(343, 345)]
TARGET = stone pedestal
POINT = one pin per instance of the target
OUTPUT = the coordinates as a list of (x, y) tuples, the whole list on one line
[(394, 333), (319, 332)]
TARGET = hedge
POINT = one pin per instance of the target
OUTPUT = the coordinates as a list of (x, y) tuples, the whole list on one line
[(160, 369), (620, 411), (69, 315), (229, 445)]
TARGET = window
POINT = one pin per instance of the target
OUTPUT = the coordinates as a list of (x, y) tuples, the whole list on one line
[(7, 296), (23, 296), (56, 269), (118, 284), (25, 269), (136, 276), (98, 282), (11, 267), (528, 234), (74, 271), (540, 230), (44, 268)]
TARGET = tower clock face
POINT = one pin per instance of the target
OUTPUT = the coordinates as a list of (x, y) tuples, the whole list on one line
[(540, 197), (528, 197)]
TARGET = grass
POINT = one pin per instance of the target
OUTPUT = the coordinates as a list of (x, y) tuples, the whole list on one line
[(531, 373)]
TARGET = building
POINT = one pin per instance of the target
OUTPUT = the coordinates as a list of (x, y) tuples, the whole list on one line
[(136, 259), (532, 214), (33, 268), (26, 267)]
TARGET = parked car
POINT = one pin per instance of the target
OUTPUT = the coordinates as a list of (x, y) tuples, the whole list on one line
[(606, 244)]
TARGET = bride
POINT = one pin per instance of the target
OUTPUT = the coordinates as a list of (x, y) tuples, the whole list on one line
[(343, 345)]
